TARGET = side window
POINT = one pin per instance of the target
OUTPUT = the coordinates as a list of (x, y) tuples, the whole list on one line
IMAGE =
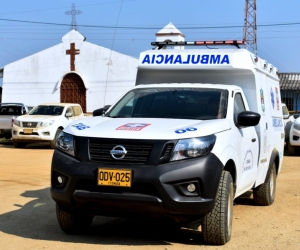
[(238, 106), (70, 110), (77, 110)]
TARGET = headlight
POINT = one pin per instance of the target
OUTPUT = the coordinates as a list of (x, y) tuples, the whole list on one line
[(296, 126), (47, 123), (65, 143), (193, 147), (17, 123)]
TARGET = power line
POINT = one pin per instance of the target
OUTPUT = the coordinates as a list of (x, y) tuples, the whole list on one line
[(150, 28)]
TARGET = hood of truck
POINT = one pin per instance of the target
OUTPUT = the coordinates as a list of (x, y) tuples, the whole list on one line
[(37, 118), (146, 128)]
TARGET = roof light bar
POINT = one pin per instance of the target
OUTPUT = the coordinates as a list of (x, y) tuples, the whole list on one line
[(228, 42)]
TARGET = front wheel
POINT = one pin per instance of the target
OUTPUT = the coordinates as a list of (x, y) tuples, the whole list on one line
[(217, 225), (71, 222), (264, 194), (53, 142), (7, 136), (291, 149)]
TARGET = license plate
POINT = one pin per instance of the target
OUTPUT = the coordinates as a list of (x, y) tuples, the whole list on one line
[(27, 131), (114, 177)]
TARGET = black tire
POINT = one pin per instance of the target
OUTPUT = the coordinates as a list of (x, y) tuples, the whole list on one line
[(7, 136), (264, 194), (291, 149), (19, 144), (217, 225), (71, 222), (53, 142)]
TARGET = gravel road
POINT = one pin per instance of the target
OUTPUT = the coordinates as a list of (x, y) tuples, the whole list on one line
[(28, 220)]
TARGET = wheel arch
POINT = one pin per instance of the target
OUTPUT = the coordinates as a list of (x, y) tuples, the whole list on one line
[(231, 168), (274, 158)]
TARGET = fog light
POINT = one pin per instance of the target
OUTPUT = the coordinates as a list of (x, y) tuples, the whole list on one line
[(191, 188), (60, 180), (46, 133)]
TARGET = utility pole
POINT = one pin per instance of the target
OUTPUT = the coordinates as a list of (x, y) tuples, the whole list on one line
[(73, 12), (250, 26)]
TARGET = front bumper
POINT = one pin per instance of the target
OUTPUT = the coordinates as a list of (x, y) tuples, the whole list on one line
[(155, 190), (35, 135)]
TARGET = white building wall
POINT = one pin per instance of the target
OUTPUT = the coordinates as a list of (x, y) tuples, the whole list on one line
[(36, 79)]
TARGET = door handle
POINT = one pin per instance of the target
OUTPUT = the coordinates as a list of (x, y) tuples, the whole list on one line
[(253, 140)]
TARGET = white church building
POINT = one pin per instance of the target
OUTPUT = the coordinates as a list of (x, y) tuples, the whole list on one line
[(74, 71)]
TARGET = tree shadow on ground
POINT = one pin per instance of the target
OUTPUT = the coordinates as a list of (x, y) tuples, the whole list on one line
[(37, 220)]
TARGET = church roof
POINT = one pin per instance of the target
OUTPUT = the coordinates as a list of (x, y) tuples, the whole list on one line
[(73, 35), (169, 29), (289, 81)]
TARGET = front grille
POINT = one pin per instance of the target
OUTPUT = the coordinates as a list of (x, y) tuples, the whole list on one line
[(33, 133), (29, 124), (167, 150), (136, 153)]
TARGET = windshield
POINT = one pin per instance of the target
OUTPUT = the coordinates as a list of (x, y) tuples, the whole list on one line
[(47, 110), (10, 110), (179, 103)]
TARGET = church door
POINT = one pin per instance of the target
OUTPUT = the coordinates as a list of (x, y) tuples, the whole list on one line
[(72, 90)]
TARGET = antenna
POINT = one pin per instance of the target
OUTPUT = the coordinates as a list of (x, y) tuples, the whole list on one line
[(73, 12), (250, 26)]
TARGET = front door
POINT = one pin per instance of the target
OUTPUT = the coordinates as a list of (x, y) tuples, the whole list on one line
[(247, 148), (72, 90)]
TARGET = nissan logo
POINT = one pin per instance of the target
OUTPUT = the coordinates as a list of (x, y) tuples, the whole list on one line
[(29, 124), (118, 152)]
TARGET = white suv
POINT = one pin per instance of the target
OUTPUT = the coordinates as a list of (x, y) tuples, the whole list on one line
[(294, 140), (44, 123), (288, 121)]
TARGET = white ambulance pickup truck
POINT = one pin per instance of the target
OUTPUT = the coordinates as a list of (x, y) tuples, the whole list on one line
[(200, 128)]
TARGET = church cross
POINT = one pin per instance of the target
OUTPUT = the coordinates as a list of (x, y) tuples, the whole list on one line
[(72, 51)]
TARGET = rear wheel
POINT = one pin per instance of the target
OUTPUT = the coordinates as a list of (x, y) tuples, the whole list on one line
[(71, 222), (53, 142), (265, 193), (217, 225), (19, 144)]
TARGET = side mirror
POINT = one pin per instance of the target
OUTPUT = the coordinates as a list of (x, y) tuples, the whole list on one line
[(69, 114), (100, 112), (248, 119), (296, 116)]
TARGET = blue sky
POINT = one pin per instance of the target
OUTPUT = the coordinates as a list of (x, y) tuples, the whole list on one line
[(139, 20)]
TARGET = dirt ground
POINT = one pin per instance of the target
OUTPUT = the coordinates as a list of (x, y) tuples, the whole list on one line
[(28, 220)]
